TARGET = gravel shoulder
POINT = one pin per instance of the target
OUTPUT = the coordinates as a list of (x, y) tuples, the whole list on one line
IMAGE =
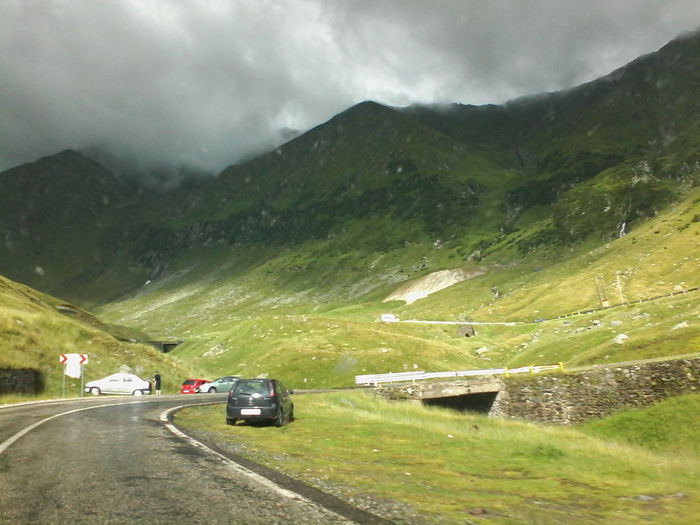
[(343, 501)]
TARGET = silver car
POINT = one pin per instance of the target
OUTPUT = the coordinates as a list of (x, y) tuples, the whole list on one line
[(120, 383), (223, 384)]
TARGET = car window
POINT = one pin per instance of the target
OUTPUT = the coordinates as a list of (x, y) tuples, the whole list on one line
[(251, 387), (189, 382)]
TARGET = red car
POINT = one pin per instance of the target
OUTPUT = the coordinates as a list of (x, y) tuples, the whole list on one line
[(190, 386)]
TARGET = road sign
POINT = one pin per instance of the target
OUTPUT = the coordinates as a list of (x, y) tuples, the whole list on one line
[(73, 364), (80, 359)]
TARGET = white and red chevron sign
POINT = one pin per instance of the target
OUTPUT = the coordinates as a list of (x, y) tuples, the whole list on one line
[(73, 364), (79, 359)]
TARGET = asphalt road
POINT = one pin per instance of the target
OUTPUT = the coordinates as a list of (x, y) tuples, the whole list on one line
[(110, 460)]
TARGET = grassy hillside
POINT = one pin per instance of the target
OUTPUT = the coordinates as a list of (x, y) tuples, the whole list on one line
[(416, 464), (669, 427), (35, 329), (311, 316)]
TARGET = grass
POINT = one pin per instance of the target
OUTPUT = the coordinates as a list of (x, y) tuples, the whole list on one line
[(312, 313), (33, 333), (452, 467), (671, 426), (311, 310)]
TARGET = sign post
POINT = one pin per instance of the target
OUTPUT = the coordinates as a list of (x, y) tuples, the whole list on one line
[(73, 367)]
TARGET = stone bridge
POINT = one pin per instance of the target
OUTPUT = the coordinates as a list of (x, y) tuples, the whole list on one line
[(561, 398)]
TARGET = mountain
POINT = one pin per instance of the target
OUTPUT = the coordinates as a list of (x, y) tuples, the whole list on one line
[(534, 200), (626, 140), (634, 131), (58, 218)]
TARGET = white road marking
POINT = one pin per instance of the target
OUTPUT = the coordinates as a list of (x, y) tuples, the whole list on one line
[(4, 445), (164, 417), (240, 469)]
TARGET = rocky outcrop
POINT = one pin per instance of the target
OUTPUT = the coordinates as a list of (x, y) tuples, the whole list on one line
[(431, 283)]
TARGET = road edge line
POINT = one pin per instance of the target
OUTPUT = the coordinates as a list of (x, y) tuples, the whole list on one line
[(165, 417)]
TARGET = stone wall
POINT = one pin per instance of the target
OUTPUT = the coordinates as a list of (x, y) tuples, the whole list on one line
[(569, 398), (20, 381)]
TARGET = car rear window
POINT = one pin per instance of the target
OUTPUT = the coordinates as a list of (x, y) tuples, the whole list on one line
[(252, 386), (189, 382)]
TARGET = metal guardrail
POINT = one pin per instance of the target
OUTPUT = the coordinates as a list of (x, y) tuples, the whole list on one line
[(419, 375)]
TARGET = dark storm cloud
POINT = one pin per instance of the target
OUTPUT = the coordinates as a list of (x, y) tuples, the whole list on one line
[(205, 83)]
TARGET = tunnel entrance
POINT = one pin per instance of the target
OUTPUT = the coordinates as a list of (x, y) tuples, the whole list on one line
[(481, 403), (165, 346)]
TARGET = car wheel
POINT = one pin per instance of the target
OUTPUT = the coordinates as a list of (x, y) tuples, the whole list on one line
[(212, 390), (137, 393), (279, 420), (231, 421), (95, 391)]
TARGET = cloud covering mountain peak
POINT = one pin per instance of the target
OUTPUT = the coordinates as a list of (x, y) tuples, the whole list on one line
[(196, 85)]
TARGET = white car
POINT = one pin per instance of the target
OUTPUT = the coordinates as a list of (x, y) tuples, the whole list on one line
[(119, 384)]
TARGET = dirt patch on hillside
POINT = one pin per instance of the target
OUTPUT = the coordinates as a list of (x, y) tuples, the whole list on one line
[(431, 283)]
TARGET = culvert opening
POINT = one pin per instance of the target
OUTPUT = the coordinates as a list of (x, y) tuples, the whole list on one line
[(481, 403)]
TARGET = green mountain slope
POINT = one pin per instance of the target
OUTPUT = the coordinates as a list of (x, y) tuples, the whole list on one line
[(324, 335), (636, 131), (61, 218), (281, 264)]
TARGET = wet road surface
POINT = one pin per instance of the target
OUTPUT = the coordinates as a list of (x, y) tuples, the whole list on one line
[(112, 460)]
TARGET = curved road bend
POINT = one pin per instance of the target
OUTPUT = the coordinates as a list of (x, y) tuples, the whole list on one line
[(111, 460)]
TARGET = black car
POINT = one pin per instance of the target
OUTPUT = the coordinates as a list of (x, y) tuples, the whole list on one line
[(259, 400)]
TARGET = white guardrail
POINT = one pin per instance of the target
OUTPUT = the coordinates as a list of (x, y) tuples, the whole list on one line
[(418, 375)]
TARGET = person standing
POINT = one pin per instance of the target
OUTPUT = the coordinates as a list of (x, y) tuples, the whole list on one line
[(156, 383)]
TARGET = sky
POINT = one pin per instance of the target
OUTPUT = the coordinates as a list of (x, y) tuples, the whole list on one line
[(203, 84)]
